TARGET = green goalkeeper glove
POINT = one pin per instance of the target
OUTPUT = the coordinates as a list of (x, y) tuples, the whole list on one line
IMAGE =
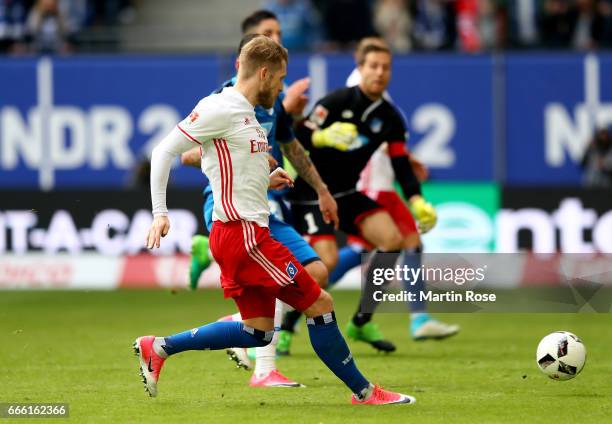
[(339, 135), (424, 213)]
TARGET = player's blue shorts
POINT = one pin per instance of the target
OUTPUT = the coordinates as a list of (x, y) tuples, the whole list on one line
[(279, 230)]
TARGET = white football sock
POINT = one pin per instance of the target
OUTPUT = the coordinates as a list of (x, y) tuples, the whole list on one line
[(279, 312), (265, 357)]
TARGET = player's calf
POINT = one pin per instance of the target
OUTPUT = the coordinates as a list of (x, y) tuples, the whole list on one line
[(325, 337), (331, 348)]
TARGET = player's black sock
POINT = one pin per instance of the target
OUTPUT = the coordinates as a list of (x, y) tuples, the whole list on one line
[(290, 320), (360, 318), (378, 260)]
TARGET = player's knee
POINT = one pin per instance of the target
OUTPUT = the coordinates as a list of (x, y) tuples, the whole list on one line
[(318, 271), (323, 305), (411, 241), (393, 242)]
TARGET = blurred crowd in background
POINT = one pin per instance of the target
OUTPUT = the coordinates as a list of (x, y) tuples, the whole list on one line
[(59, 26), (63, 26)]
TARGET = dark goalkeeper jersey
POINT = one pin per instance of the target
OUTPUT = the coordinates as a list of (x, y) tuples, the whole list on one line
[(376, 121)]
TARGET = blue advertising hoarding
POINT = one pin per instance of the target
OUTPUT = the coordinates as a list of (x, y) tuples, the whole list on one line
[(103, 116), (18, 98), (88, 121), (553, 103)]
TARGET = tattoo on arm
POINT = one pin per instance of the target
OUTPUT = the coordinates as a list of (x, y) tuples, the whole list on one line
[(298, 157)]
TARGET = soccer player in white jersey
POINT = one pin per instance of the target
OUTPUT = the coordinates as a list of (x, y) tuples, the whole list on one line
[(283, 145), (255, 269)]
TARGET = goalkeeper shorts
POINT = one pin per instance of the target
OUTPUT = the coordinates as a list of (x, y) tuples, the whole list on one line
[(353, 208)]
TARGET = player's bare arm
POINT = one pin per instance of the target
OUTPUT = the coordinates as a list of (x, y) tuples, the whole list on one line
[(297, 156), (295, 153)]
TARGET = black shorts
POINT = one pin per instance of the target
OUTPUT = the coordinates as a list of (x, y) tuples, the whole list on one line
[(352, 209)]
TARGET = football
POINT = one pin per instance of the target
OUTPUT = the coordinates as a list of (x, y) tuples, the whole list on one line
[(561, 355)]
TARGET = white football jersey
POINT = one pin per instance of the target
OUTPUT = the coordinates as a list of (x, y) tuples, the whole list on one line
[(234, 155), (378, 174)]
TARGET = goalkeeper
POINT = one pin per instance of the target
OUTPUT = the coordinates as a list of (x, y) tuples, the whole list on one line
[(377, 182), (342, 132)]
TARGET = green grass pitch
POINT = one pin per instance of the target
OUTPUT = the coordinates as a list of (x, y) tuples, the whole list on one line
[(75, 347)]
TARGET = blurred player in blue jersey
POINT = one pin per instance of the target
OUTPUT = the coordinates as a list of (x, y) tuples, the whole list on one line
[(377, 182), (278, 124)]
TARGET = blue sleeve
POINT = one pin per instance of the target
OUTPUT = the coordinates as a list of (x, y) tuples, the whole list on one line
[(228, 83)]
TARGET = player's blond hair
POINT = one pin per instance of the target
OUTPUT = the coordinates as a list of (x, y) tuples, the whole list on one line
[(370, 44), (260, 52)]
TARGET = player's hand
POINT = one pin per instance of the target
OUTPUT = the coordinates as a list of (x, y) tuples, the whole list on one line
[(339, 135), (295, 97), (279, 178), (424, 213), (419, 168), (159, 228), (329, 208)]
